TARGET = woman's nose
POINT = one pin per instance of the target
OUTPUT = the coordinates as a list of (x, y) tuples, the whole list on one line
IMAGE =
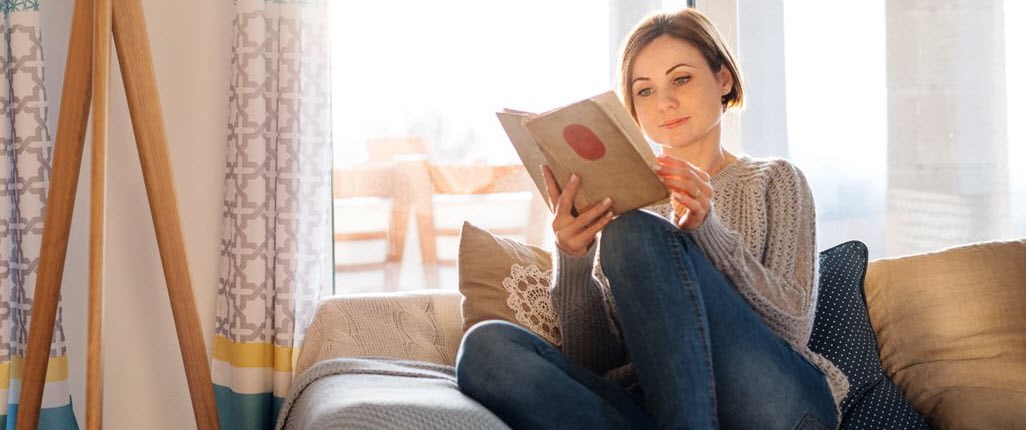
[(667, 101)]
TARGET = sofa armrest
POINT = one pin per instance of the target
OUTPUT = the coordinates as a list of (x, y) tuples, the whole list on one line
[(424, 326)]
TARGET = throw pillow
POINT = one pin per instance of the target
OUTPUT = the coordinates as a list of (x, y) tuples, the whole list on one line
[(841, 332), (503, 279), (952, 332)]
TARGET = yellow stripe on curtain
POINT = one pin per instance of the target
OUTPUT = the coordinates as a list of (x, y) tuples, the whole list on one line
[(56, 370), (254, 354)]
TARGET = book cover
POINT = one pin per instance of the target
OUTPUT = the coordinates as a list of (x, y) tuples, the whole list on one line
[(595, 138)]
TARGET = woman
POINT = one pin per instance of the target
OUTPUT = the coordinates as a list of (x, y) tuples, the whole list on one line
[(697, 317)]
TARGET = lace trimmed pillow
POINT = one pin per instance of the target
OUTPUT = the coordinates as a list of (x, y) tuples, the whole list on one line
[(504, 279)]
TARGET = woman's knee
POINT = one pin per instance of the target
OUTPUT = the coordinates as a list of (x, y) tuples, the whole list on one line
[(632, 231), (497, 362), (634, 223), (495, 333), (639, 231), (485, 347)]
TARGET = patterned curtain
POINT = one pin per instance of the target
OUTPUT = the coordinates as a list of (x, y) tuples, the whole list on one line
[(276, 235), (26, 143)]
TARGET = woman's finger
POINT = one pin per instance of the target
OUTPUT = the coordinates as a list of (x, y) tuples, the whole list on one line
[(703, 182), (699, 177), (569, 223), (676, 167), (569, 194), (701, 173), (681, 170), (671, 168), (589, 216), (695, 208), (689, 202), (685, 171), (597, 226), (689, 186), (550, 187), (690, 166), (679, 210), (671, 160)]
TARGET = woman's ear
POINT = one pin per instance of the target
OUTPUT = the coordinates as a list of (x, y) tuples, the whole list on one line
[(725, 79)]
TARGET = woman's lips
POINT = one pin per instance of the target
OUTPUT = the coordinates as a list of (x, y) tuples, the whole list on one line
[(673, 123)]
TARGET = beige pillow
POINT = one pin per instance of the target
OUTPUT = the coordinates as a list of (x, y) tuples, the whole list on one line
[(503, 279), (952, 332)]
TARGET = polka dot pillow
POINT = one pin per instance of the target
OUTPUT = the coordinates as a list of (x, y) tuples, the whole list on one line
[(841, 333)]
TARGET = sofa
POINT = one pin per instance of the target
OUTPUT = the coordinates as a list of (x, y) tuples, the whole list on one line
[(937, 339)]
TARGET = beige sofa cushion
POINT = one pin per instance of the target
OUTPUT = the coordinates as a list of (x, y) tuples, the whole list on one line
[(952, 332), (503, 279), (424, 326)]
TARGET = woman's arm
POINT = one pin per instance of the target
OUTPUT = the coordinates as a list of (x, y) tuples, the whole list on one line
[(584, 322), (576, 295), (783, 278)]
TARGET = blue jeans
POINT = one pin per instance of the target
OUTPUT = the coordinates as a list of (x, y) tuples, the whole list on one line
[(703, 356)]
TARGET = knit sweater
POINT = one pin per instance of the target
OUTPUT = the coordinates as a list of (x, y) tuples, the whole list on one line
[(760, 234)]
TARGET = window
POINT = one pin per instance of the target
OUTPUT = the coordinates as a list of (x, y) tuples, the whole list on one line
[(901, 114), (416, 86)]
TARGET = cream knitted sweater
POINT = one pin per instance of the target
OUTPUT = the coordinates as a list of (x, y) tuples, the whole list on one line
[(760, 235)]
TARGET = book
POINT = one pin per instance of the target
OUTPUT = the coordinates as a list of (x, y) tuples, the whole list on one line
[(595, 138)]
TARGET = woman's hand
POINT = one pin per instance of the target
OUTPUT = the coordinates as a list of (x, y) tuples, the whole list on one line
[(574, 234), (690, 188)]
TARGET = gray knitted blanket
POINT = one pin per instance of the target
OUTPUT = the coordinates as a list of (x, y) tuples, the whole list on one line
[(370, 393)]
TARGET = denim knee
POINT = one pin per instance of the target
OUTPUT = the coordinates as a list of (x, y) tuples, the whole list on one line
[(634, 234), (485, 347), (628, 227)]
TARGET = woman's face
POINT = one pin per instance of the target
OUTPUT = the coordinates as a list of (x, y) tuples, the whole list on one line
[(676, 95)]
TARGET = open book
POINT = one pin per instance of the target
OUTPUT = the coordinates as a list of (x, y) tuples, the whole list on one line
[(595, 138)]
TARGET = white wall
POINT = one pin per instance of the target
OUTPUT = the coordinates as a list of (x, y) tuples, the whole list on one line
[(145, 382)]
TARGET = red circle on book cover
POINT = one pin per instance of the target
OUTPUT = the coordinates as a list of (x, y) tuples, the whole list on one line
[(584, 142)]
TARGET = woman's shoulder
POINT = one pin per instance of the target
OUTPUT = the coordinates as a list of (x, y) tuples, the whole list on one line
[(784, 181), (765, 169)]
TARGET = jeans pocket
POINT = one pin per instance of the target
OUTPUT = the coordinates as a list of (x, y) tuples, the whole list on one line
[(811, 423)]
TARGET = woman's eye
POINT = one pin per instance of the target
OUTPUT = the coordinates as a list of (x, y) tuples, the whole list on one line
[(645, 92), (681, 80)]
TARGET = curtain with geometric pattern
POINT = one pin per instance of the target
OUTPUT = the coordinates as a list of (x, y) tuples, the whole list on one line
[(26, 145), (276, 232)]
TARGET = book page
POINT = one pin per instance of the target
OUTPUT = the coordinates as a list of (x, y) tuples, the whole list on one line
[(530, 154)]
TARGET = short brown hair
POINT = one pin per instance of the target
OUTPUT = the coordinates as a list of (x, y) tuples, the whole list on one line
[(688, 25)]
